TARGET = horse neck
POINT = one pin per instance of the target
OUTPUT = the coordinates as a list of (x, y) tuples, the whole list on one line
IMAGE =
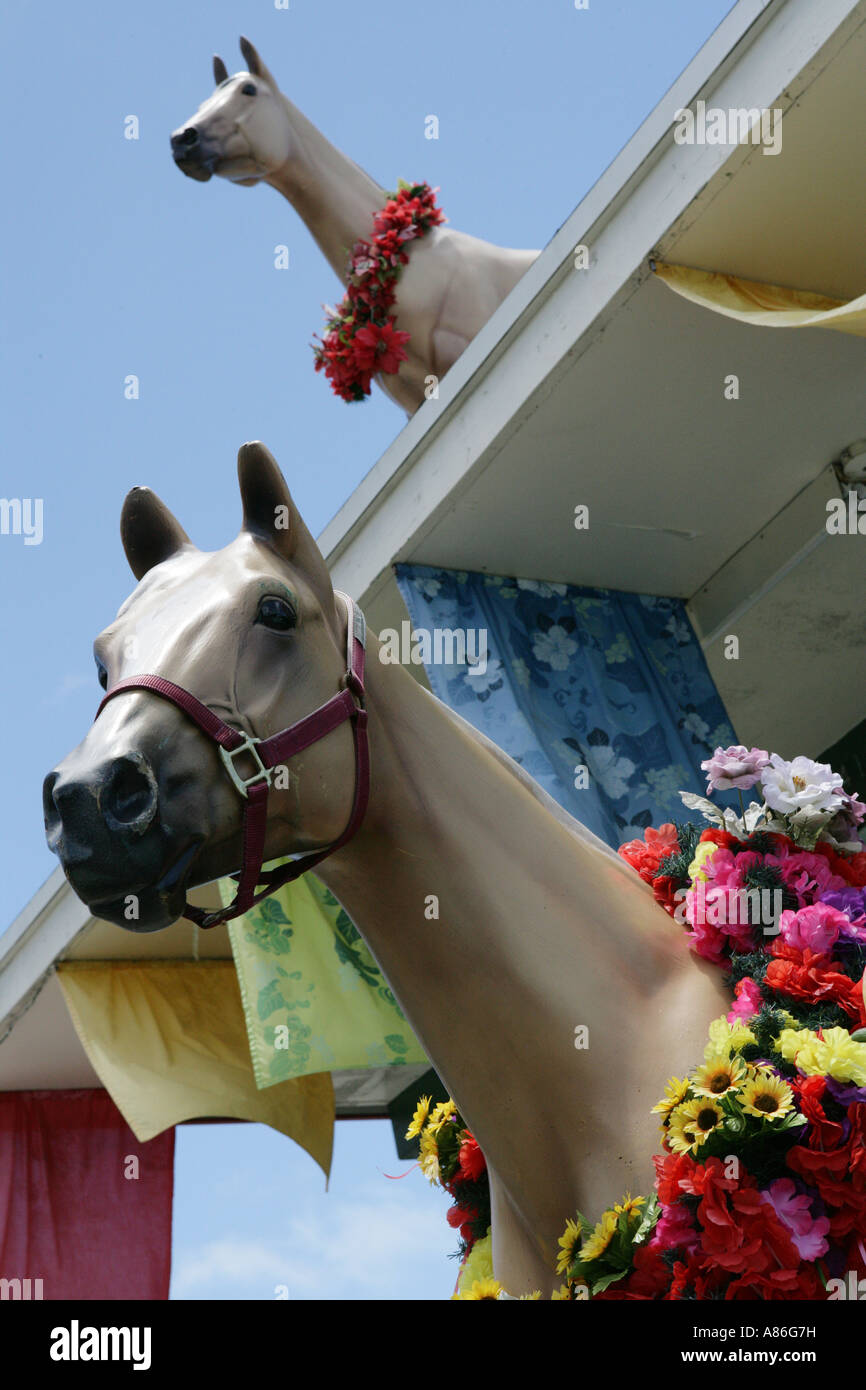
[(333, 196), (456, 829)]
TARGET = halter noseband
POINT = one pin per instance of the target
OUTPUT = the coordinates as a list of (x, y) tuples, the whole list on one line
[(269, 753)]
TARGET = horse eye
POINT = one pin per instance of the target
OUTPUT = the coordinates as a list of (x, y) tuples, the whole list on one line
[(248, 89), (101, 674), (276, 614)]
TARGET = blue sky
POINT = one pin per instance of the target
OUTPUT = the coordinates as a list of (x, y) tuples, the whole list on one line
[(113, 264)]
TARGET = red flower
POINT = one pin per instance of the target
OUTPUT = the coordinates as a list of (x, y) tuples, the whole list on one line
[(808, 976), (723, 838), (645, 855), (665, 889), (379, 347), (853, 870), (473, 1164), (823, 1133), (839, 1175), (459, 1216), (673, 1173)]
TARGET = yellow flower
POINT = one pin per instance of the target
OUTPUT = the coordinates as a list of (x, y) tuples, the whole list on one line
[(676, 1091), (600, 1239), (419, 1119), (719, 1074), (482, 1288), (838, 1055), (429, 1159), (727, 1037), (441, 1112), (569, 1243), (704, 851), (629, 1205), (692, 1124), (531, 1297), (478, 1264), (767, 1096), (562, 1293)]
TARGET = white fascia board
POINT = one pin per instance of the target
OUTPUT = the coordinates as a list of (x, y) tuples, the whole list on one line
[(29, 947), (760, 55)]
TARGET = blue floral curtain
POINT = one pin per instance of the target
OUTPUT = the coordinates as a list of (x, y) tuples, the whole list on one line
[(604, 697)]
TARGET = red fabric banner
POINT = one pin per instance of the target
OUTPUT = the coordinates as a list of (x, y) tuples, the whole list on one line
[(85, 1208)]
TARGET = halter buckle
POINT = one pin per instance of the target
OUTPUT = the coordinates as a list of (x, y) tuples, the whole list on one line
[(355, 688), (242, 783)]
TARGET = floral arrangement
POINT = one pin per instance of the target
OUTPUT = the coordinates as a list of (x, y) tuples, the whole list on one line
[(450, 1156), (760, 1188), (361, 338)]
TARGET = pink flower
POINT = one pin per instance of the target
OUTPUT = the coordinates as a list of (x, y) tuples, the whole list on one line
[(734, 767), (675, 1227), (815, 928), (810, 875), (793, 1210), (748, 1000), (719, 918)]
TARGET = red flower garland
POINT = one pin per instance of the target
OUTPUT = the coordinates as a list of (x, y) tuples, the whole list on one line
[(361, 338)]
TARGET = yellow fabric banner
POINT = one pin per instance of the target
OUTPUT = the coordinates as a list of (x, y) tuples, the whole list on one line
[(314, 998), (767, 306), (168, 1042)]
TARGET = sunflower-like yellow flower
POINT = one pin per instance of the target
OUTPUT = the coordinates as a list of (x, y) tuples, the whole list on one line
[(676, 1090), (530, 1297), (767, 1096), (719, 1074), (419, 1119), (440, 1113), (629, 1206), (569, 1242), (482, 1288), (562, 1294), (429, 1159), (727, 1037), (692, 1124), (837, 1055), (596, 1243)]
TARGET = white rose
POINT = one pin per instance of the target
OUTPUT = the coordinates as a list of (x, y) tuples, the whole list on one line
[(801, 785)]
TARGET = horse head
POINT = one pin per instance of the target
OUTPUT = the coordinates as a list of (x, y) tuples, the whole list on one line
[(142, 809), (242, 132)]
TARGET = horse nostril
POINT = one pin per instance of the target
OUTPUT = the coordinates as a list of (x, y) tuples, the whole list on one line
[(50, 813), (129, 795), (190, 136)]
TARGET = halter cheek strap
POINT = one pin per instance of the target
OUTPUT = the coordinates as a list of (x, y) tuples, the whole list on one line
[(268, 754)]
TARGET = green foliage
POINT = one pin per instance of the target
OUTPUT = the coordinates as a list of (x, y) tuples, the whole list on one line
[(676, 866)]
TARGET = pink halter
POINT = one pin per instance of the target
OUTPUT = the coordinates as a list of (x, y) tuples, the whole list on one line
[(269, 753)]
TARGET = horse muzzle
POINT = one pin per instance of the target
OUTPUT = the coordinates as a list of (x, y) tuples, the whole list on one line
[(105, 828), (191, 154)]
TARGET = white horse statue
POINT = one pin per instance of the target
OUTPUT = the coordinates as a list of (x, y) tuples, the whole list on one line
[(542, 930), (249, 133)]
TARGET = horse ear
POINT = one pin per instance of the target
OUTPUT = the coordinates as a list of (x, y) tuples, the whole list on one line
[(149, 531), (271, 516), (220, 71), (255, 66), (269, 512)]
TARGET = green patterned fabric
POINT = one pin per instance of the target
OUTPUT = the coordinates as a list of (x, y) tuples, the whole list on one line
[(314, 998)]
